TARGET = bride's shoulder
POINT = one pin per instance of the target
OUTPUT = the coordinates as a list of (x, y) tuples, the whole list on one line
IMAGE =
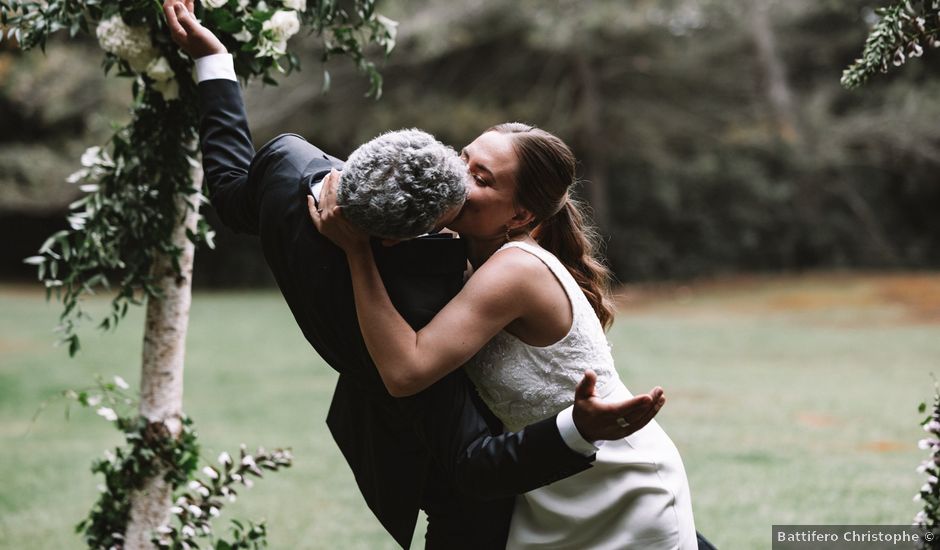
[(516, 266)]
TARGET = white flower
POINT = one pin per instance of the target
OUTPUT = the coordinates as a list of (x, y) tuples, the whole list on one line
[(210, 472), (121, 383), (109, 456), (925, 488), (923, 466), (243, 35), (94, 400), (213, 511), (215, 3), (77, 221), (131, 44), (932, 426), (297, 5), (203, 491), (224, 458), (248, 460), (391, 27), (194, 485), (248, 483), (188, 531), (194, 510), (91, 156), (170, 89), (102, 488), (108, 413), (164, 529), (77, 176), (176, 510), (243, 5), (159, 69), (924, 444), (267, 48), (283, 25)]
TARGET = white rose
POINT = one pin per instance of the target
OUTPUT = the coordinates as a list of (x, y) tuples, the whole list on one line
[(169, 89), (243, 5), (215, 3), (283, 25), (131, 44), (296, 5), (160, 70), (243, 35)]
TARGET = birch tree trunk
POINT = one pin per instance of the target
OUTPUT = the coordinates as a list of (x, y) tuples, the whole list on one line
[(161, 380)]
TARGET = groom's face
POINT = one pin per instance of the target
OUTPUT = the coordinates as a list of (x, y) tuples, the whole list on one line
[(447, 218)]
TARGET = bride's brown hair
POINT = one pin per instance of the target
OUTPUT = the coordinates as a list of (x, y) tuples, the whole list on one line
[(545, 173)]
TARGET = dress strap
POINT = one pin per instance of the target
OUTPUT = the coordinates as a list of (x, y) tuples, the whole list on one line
[(572, 289)]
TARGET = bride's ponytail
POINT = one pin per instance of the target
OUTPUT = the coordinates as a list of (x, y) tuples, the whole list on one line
[(575, 243), (546, 171)]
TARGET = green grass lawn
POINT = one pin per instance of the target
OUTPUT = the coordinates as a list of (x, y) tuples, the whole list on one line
[(791, 400)]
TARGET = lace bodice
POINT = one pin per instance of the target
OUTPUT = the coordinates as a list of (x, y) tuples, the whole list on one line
[(523, 384)]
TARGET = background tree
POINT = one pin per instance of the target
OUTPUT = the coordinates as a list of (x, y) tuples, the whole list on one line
[(685, 142)]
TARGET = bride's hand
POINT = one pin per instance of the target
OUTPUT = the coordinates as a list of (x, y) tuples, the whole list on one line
[(597, 420), (330, 221)]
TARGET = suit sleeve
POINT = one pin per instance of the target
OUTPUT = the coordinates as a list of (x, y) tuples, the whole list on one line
[(487, 466), (228, 154)]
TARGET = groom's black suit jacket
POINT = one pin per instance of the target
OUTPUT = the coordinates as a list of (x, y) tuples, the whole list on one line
[(434, 450)]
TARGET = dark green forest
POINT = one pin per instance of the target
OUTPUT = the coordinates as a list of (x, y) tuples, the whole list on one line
[(713, 136)]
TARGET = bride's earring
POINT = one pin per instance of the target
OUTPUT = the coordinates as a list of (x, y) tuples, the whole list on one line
[(507, 233)]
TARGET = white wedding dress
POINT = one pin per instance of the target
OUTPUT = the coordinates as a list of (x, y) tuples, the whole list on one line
[(636, 495)]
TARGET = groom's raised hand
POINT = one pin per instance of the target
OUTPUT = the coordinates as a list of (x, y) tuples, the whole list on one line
[(597, 420), (188, 32)]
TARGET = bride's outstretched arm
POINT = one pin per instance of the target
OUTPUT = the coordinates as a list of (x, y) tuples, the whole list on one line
[(410, 361)]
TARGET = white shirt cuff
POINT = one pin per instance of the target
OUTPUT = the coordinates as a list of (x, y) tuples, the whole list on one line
[(316, 188), (215, 66), (570, 434)]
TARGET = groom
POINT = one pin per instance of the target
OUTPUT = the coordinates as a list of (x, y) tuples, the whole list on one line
[(440, 450)]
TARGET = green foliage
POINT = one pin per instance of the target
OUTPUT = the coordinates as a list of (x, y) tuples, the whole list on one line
[(204, 498), (903, 31), (149, 449), (129, 212), (929, 517)]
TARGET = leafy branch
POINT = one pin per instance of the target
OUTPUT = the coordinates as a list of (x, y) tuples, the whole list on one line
[(132, 183), (901, 33)]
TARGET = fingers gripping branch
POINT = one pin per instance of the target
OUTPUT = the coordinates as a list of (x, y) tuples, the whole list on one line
[(187, 32)]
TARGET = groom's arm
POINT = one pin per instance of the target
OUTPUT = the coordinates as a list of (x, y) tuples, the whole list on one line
[(488, 466), (449, 421), (227, 150), (233, 172)]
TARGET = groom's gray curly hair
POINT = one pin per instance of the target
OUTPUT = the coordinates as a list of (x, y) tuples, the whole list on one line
[(399, 184)]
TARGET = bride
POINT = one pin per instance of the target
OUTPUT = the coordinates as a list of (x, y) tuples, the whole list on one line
[(527, 324)]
